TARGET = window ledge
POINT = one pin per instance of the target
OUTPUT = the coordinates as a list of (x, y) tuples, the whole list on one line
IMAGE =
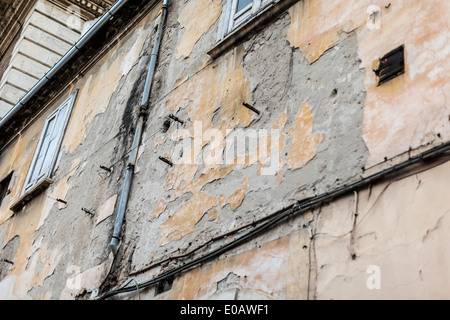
[(250, 27), (32, 193)]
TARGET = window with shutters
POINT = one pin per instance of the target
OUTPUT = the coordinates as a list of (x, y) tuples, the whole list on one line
[(45, 157), (44, 160)]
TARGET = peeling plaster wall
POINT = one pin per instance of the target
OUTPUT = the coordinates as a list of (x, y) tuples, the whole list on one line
[(58, 251), (309, 73), (400, 228), (295, 98), (418, 100)]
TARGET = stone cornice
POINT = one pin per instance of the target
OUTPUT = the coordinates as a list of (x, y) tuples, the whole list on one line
[(105, 37), (89, 9), (14, 13), (13, 16)]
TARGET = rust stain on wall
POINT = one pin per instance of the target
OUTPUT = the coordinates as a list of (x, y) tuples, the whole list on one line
[(206, 13)]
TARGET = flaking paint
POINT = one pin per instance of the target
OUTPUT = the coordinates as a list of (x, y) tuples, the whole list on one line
[(280, 264), (206, 13), (414, 100)]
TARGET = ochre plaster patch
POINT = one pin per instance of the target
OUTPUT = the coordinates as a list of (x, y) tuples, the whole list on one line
[(304, 142), (206, 13)]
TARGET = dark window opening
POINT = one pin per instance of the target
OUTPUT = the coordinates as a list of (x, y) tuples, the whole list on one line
[(4, 188), (164, 286)]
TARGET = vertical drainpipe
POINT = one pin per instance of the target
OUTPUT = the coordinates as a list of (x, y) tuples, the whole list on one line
[(114, 246)]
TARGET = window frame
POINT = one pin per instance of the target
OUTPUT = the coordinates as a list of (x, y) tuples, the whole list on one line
[(227, 40), (235, 19), (31, 182)]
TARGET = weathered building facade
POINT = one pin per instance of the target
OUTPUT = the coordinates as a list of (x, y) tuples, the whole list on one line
[(34, 36), (231, 149)]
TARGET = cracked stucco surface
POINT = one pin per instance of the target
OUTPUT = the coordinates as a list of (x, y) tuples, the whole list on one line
[(206, 13), (401, 228), (309, 72), (52, 237), (415, 99)]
